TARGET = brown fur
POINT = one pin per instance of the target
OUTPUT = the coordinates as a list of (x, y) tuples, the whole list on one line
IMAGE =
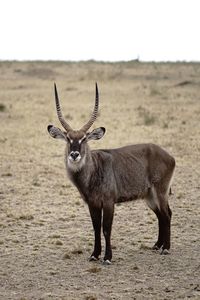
[(106, 177)]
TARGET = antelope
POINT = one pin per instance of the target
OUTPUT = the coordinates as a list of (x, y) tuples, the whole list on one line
[(108, 176)]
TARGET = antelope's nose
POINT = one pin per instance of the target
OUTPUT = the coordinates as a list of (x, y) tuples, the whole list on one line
[(74, 155)]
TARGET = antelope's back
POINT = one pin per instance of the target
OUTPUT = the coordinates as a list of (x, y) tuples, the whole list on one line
[(136, 168)]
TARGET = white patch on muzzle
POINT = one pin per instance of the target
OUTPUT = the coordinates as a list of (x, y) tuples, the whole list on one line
[(75, 164), (74, 157)]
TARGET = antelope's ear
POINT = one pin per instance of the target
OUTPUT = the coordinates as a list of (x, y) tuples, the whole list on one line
[(96, 134), (55, 132)]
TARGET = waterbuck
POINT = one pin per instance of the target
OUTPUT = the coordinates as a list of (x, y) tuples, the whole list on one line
[(105, 177)]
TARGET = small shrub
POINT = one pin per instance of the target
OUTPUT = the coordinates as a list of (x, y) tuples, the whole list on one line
[(147, 116), (149, 119), (8, 174), (58, 243), (90, 297), (165, 125), (66, 256), (36, 182), (54, 236), (2, 107), (154, 92), (26, 217), (94, 270)]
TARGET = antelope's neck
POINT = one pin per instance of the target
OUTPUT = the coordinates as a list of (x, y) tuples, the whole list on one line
[(81, 174)]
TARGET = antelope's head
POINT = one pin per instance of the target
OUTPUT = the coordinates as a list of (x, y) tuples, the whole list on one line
[(76, 139)]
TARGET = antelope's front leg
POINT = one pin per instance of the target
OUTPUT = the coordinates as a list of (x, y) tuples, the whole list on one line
[(96, 215), (108, 212)]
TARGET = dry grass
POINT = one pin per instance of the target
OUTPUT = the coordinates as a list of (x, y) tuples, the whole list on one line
[(46, 233)]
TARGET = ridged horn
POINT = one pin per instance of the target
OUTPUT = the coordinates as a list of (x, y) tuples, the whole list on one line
[(59, 113), (95, 112)]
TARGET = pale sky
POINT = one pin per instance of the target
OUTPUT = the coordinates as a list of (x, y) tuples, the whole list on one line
[(108, 30)]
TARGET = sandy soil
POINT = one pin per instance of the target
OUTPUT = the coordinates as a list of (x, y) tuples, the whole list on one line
[(46, 234)]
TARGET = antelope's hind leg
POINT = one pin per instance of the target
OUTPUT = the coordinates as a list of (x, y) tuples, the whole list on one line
[(158, 202), (164, 215)]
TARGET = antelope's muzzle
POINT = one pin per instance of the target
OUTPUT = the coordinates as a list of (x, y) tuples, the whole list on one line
[(74, 156)]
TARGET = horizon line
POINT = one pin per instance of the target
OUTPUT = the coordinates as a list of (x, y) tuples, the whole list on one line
[(98, 61)]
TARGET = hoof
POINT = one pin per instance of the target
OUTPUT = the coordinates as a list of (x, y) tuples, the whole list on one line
[(93, 258), (106, 262), (155, 247), (165, 252)]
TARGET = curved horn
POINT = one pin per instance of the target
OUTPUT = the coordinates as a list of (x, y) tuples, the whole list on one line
[(58, 109), (95, 112)]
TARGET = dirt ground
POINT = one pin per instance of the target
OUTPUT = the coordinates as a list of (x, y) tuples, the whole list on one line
[(46, 234)]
